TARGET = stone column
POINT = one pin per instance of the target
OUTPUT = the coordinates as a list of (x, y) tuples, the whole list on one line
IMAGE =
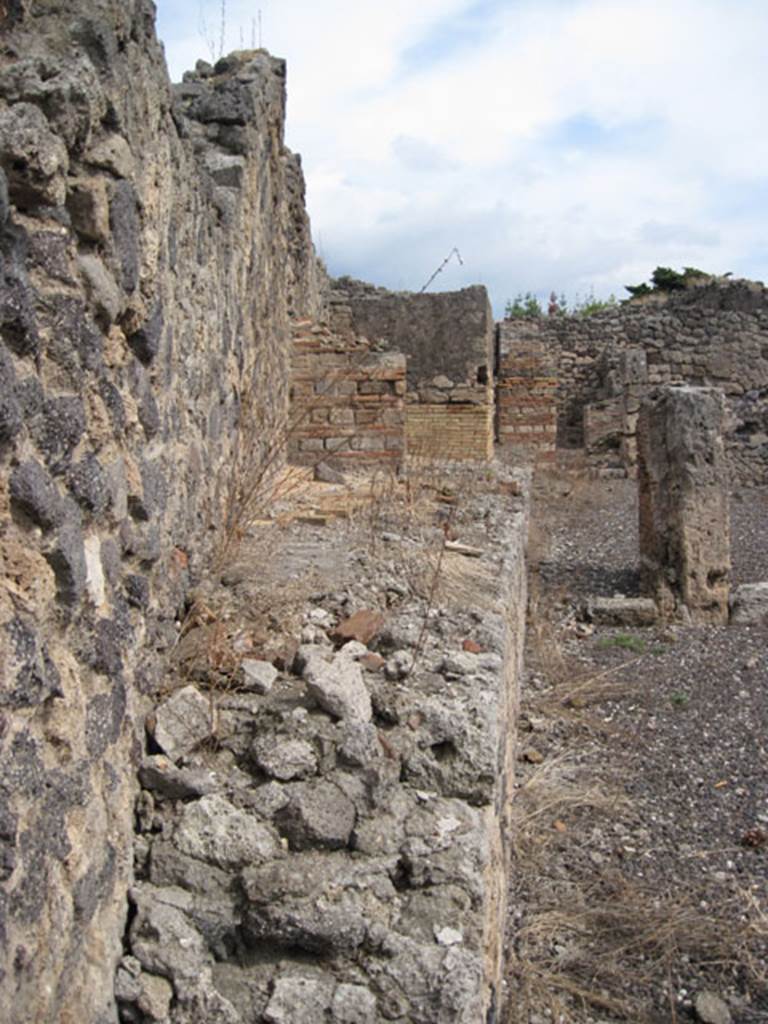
[(685, 557), (633, 370)]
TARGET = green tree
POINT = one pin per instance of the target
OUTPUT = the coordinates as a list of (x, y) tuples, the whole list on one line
[(524, 304)]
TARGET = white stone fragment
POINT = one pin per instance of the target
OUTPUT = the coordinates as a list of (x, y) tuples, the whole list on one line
[(258, 676)]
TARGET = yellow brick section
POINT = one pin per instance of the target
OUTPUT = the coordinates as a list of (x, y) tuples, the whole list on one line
[(449, 431)]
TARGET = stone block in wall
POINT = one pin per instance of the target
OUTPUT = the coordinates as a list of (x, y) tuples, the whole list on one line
[(683, 483), (604, 425), (633, 366)]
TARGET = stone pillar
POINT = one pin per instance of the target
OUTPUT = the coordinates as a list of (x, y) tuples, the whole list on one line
[(633, 370), (685, 557)]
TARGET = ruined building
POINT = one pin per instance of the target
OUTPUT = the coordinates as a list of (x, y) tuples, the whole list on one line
[(163, 324)]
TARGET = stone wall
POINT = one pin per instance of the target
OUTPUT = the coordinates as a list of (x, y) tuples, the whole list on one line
[(153, 243), (447, 338), (347, 400), (712, 334), (526, 392)]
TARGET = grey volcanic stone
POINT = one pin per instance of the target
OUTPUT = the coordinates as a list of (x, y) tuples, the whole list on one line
[(67, 559), (87, 482), (310, 901), (30, 676), (299, 1000), (211, 829), (182, 722), (61, 425), (34, 493), (353, 1004), (749, 604), (162, 937), (124, 218), (145, 343), (318, 815), (10, 410), (161, 776), (33, 158), (284, 759), (3, 198)]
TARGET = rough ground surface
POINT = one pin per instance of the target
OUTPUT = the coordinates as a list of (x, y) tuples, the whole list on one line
[(639, 882)]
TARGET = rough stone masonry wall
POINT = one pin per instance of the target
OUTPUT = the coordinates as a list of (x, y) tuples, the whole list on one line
[(153, 243), (340, 854), (347, 400), (712, 334), (447, 338)]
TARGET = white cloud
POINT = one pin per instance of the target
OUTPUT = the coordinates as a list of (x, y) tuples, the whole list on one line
[(557, 143)]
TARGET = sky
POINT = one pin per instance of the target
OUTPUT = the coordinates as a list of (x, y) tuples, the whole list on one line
[(567, 145)]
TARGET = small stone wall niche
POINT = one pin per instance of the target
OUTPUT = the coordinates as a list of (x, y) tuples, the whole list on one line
[(683, 483)]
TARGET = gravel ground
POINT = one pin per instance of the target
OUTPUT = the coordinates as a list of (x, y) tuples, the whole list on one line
[(642, 806)]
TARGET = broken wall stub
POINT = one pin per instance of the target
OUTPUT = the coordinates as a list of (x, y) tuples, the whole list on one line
[(683, 484), (341, 853), (526, 392), (347, 400), (447, 339)]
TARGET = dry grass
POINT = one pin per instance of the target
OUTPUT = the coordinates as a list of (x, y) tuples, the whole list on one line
[(614, 942), (595, 942)]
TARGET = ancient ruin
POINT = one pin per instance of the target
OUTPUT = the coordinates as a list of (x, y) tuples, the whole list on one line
[(263, 588)]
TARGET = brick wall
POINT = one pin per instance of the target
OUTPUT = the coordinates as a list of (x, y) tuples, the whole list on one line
[(526, 394), (447, 338), (347, 399), (445, 431)]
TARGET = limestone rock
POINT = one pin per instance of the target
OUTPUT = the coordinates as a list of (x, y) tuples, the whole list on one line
[(258, 676), (35, 160), (181, 722), (328, 475), (621, 611), (710, 1008), (338, 688), (102, 289), (353, 1004)]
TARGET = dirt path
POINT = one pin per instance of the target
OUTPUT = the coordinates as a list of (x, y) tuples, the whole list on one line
[(639, 878)]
